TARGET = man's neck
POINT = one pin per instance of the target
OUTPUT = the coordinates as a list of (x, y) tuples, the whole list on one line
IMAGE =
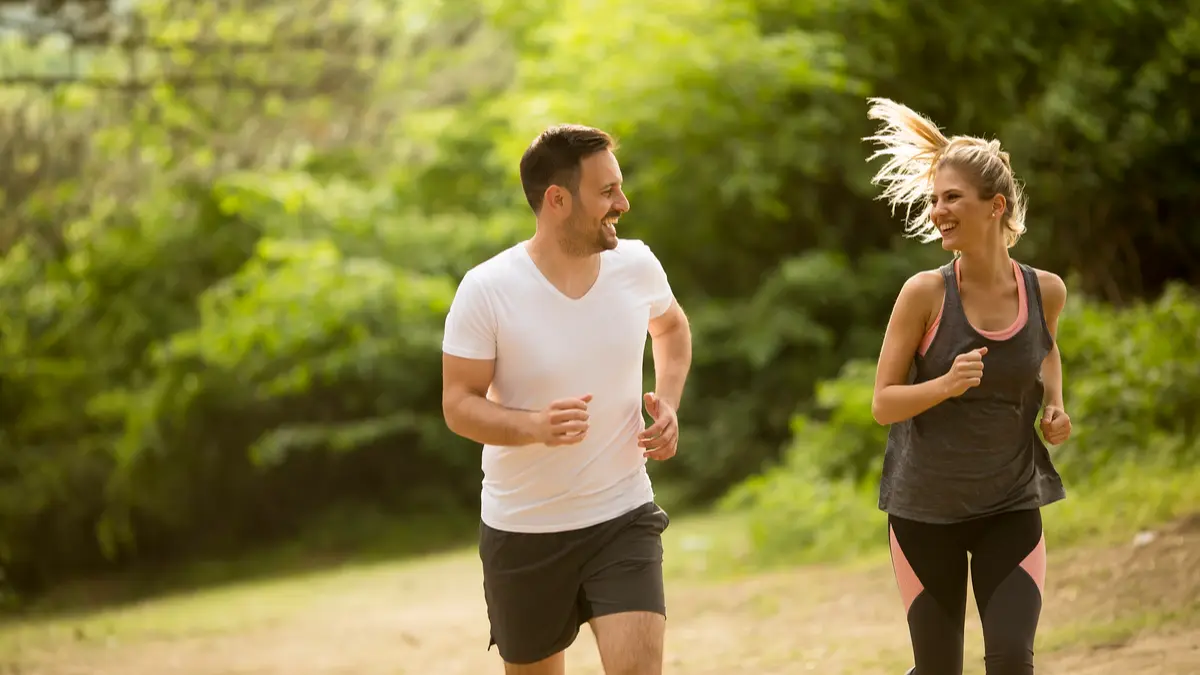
[(572, 275)]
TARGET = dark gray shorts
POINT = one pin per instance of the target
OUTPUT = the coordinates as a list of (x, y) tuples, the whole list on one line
[(540, 588)]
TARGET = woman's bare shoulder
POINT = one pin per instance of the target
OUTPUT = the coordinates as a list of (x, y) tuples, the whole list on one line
[(920, 298)]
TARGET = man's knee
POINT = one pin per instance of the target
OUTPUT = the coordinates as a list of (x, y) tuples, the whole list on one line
[(630, 643), (553, 665)]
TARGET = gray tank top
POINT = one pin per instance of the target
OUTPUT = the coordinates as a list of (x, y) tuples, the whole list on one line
[(977, 454)]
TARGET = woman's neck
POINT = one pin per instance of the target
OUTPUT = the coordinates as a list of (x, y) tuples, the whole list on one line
[(986, 267)]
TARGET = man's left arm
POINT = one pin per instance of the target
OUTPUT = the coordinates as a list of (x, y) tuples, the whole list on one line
[(671, 344), (671, 339)]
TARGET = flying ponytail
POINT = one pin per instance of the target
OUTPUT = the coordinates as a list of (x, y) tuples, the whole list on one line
[(915, 148)]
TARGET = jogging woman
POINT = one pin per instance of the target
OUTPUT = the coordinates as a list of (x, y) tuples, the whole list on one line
[(969, 362)]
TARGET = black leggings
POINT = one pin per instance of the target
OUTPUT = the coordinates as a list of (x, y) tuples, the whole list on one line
[(1008, 569)]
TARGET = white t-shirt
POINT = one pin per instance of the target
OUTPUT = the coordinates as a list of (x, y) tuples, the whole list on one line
[(548, 347)]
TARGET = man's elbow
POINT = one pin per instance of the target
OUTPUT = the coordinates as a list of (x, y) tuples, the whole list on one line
[(450, 413)]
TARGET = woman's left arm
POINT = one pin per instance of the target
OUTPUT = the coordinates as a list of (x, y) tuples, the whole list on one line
[(1056, 425)]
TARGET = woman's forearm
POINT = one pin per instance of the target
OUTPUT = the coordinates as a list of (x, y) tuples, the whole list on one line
[(1052, 379), (900, 402)]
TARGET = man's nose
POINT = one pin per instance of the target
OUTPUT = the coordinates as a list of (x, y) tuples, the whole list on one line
[(622, 203)]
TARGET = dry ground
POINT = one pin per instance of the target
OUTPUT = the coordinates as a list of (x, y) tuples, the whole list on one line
[(1125, 610)]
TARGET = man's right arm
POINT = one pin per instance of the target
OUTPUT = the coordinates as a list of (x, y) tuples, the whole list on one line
[(470, 414), (468, 366)]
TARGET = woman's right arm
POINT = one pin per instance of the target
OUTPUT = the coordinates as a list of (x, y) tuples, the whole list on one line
[(894, 401)]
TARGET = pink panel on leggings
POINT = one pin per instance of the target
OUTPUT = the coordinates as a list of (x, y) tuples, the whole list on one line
[(1034, 564), (906, 579)]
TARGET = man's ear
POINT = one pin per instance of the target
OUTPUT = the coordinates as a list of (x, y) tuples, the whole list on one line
[(557, 200)]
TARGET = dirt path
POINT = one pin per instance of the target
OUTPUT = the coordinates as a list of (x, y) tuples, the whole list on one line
[(1127, 610)]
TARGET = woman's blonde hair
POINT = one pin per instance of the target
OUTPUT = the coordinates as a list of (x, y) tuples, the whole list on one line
[(915, 149)]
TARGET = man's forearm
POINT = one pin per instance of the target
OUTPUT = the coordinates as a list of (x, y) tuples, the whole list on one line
[(1052, 379), (672, 360), (485, 422)]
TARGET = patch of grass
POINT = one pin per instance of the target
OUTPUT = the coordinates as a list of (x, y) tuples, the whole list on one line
[(229, 608), (344, 537), (706, 545), (794, 516), (1114, 632), (1122, 500), (197, 612), (790, 517)]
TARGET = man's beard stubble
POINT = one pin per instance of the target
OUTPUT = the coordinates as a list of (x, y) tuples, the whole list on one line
[(580, 239)]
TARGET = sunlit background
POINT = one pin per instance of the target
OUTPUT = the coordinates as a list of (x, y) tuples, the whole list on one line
[(230, 231)]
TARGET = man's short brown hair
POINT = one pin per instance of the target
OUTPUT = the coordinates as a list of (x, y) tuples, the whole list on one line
[(554, 158)]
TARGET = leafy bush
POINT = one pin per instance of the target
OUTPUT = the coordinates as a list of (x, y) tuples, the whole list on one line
[(1132, 381)]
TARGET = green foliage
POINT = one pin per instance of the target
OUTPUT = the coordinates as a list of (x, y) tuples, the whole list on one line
[(1131, 388), (1135, 381), (223, 285), (799, 515)]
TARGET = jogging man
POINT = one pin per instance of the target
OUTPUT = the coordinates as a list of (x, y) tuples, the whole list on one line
[(542, 365)]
